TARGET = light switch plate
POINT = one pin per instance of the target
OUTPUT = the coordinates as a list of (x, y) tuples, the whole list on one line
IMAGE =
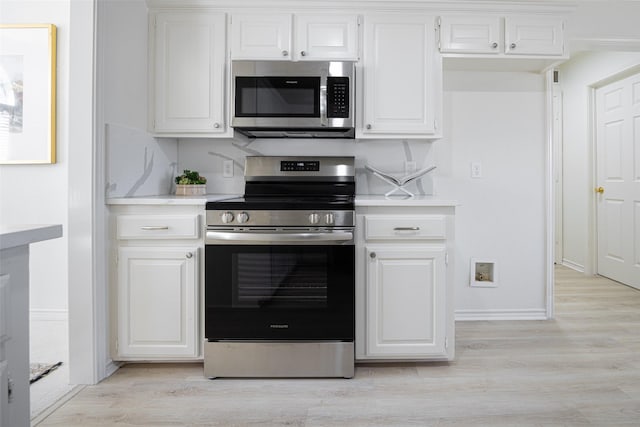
[(476, 170), (227, 169)]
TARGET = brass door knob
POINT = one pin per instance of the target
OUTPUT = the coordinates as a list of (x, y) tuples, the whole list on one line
[(600, 190)]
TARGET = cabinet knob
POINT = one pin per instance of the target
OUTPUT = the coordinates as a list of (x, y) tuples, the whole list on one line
[(372, 255), (494, 45), (216, 125), (512, 45), (285, 53), (303, 53), (368, 126), (189, 255)]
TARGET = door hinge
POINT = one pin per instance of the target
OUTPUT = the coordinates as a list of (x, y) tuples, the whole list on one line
[(446, 258), (435, 124), (9, 389), (446, 342), (359, 20)]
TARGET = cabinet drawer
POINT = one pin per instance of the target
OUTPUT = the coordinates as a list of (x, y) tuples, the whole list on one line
[(416, 227), (158, 227)]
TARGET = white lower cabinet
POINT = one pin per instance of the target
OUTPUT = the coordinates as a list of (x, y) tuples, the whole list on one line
[(404, 305), (405, 301), (156, 282), (157, 310)]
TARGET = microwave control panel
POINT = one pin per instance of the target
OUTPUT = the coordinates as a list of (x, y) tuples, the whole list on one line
[(338, 97)]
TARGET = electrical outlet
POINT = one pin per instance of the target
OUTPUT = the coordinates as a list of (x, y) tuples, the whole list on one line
[(476, 170), (409, 167), (227, 168)]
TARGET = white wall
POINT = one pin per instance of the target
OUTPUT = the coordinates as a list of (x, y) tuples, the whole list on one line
[(498, 119), (576, 77), (38, 194), (604, 19), (136, 163)]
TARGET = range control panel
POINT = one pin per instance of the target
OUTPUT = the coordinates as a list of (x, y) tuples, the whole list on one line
[(300, 165)]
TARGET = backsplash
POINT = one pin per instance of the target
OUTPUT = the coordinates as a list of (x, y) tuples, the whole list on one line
[(138, 164), (147, 165)]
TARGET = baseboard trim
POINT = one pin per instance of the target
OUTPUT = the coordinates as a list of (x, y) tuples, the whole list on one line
[(35, 421), (524, 314), (110, 369), (572, 265), (48, 315)]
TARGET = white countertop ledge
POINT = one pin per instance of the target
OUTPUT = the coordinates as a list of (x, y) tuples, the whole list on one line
[(376, 200), (20, 235), (169, 199)]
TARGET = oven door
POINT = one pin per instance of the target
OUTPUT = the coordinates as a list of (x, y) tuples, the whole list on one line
[(279, 292)]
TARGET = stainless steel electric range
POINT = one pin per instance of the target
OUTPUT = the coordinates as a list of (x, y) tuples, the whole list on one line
[(279, 272)]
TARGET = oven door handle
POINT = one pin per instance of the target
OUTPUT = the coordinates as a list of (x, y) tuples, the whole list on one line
[(333, 236)]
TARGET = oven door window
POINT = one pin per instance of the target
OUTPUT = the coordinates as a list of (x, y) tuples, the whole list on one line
[(280, 280), (279, 292), (277, 97)]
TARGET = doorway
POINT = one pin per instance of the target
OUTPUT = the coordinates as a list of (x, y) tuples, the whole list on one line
[(578, 80)]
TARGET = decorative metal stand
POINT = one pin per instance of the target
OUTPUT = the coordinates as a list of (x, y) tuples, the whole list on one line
[(399, 183)]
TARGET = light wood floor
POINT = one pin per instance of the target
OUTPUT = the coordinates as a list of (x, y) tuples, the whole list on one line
[(583, 368)]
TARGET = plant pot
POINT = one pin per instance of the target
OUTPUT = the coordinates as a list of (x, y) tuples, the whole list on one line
[(191, 190)]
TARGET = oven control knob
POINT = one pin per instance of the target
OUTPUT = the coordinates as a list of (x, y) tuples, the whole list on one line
[(314, 218), (329, 218), (226, 217), (243, 217)]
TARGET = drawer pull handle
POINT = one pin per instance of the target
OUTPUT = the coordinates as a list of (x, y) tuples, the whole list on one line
[(406, 229), (154, 227)]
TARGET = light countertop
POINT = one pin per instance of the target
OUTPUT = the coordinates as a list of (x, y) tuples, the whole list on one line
[(169, 199), (417, 201), (361, 200), (19, 235)]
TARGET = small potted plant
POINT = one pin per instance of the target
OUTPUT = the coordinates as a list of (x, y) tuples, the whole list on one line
[(190, 183)]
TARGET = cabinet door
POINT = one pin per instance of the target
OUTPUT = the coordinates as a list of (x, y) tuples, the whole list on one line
[(406, 307), (326, 37), (400, 93), (470, 34), (189, 73), (525, 35), (261, 36), (157, 302)]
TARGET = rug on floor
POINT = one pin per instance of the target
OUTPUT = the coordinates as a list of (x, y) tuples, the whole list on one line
[(40, 370)]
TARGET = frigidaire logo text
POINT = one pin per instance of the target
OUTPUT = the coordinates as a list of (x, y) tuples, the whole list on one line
[(279, 326)]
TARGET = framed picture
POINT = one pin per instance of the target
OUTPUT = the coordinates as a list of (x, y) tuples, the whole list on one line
[(27, 93)]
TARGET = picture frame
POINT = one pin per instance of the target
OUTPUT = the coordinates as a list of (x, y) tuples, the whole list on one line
[(27, 93)]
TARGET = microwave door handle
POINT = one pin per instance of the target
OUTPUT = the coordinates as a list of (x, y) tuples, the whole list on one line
[(324, 121)]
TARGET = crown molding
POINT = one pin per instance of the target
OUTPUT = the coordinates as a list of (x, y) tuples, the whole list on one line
[(432, 6)]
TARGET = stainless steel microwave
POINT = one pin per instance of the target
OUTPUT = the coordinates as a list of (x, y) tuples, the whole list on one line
[(306, 99)]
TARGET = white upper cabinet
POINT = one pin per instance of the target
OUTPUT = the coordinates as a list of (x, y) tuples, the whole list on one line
[(526, 35), (261, 36), (300, 37), (470, 34), (400, 84), (490, 35), (187, 74), (326, 37)]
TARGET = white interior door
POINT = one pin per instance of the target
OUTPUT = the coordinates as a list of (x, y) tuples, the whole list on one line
[(618, 180)]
